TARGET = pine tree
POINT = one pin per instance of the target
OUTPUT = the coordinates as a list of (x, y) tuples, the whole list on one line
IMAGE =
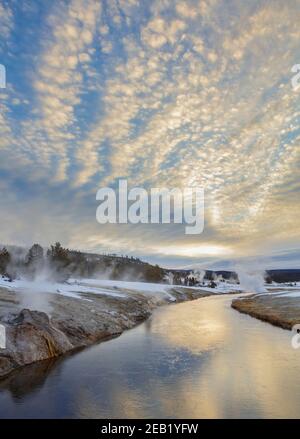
[(35, 255), (34, 260), (59, 259), (5, 259)]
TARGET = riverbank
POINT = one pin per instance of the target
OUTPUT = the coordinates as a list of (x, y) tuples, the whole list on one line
[(198, 359), (43, 325), (280, 308)]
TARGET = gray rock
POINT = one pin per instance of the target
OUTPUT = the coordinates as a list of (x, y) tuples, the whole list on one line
[(31, 337)]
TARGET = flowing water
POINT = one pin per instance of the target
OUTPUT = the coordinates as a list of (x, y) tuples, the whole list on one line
[(191, 360)]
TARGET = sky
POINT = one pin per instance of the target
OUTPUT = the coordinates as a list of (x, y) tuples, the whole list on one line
[(162, 93)]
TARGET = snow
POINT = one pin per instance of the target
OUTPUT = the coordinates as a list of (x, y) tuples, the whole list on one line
[(136, 286), (144, 287), (286, 291), (99, 286), (293, 294), (222, 287), (288, 285), (26, 286), (113, 288)]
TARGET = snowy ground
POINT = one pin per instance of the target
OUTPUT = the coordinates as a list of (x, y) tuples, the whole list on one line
[(294, 293), (291, 290), (121, 289), (284, 286), (150, 288), (69, 289), (115, 288)]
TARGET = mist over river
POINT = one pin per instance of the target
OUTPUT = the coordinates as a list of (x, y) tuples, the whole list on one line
[(190, 360)]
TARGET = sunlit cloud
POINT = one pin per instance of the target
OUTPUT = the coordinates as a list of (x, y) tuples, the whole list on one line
[(173, 93), (194, 251)]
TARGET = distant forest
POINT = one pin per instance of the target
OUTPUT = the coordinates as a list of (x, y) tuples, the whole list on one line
[(59, 264)]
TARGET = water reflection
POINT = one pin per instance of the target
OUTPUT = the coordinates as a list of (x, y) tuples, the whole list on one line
[(196, 359), (28, 379)]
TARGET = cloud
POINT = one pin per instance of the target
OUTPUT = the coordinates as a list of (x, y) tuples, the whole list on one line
[(168, 94), (6, 24)]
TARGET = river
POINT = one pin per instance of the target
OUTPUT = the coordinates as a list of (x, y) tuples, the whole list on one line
[(198, 359)]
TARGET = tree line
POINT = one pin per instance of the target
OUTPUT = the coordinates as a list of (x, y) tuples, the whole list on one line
[(58, 264)]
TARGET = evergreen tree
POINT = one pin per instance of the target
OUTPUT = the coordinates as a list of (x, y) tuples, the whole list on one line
[(153, 273), (5, 259), (59, 259), (35, 255), (34, 260)]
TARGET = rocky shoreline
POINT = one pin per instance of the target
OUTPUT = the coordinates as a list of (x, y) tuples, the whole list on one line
[(281, 311), (72, 323)]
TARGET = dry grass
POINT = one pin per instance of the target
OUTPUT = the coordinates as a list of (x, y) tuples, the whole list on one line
[(279, 311)]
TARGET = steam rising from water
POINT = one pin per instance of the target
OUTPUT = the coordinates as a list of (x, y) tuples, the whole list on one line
[(35, 293), (252, 278), (34, 296)]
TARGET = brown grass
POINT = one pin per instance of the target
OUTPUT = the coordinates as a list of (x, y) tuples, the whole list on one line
[(282, 313)]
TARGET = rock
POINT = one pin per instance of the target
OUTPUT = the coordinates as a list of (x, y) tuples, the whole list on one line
[(31, 337)]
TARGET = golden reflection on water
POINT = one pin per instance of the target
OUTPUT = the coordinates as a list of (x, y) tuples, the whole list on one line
[(194, 328), (199, 359), (245, 368)]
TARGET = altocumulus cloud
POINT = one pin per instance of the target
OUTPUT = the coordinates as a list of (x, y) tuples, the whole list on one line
[(172, 93)]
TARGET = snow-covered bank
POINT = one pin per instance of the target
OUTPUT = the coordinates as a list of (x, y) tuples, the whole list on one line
[(283, 286), (154, 288), (78, 288), (44, 320)]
